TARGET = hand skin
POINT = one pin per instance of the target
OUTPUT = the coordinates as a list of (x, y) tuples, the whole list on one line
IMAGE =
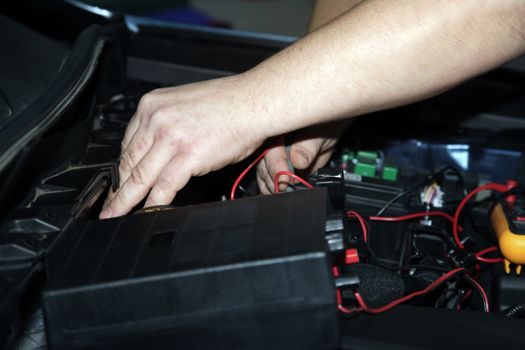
[(185, 131), (379, 55), (312, 147)]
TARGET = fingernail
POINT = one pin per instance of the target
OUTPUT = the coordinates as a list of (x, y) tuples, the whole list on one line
[(105, 214)]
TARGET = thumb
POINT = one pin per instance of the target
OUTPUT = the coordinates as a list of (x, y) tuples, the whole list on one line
[(303, 153)]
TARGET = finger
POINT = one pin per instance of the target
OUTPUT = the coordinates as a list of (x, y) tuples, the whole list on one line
[(137, 141), (321, 160), (303, 153), (137, 186), (263, 188), (124, 170), (143, 108), (131, 129), (139, 146), (276, 160), (262, 176), (174, 177)]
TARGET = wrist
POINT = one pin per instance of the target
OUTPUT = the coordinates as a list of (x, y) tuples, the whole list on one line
[(271, 105)]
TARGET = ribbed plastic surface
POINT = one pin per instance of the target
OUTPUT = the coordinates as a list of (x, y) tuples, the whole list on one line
[(246, 274)]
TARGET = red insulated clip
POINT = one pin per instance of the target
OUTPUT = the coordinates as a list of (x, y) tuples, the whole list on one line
[(351, 256)]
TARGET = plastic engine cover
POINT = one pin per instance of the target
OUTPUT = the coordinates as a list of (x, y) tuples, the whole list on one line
[(252, 273)]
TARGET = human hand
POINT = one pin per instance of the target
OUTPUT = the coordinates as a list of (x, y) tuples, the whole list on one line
[(311, 149), (185, 131)]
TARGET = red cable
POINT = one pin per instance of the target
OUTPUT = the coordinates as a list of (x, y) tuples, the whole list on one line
[(489, 260), (292, 175), (484, 296), (487, 250), (480, 257), (339, 298), (412, 216), (455, 224), (396, 302), (243, 174), (359, 218), (348, 311)]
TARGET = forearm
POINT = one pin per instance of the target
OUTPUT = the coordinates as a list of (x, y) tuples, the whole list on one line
[(327, 10), (384, 54)]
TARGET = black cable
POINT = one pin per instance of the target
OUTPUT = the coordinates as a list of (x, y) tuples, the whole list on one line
[(437, 176), (392, 201)]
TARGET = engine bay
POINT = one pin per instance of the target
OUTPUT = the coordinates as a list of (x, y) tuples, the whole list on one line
[(418, 220)]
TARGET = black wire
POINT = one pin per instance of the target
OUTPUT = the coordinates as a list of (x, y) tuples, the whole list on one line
[(437, 176), (392, 201)]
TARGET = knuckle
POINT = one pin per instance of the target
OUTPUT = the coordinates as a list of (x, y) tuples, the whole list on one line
[(138, 176), (164, 183), (140, 146), (125, 164), (158, 117), (157, 197), (123, 144), (259, 171), (146, 100), (269, 185), (165, 134)]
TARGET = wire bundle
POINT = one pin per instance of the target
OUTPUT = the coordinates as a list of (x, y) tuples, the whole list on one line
[(428, 195)]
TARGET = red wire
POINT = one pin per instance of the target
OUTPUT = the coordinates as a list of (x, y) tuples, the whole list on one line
[(292, 175), (339, 298), (243, 174), (489, 260), (412, 216), (396, 302), (480, 257), (487, 250), (455, 224), (484, 296), (359, 218), (348, 311)]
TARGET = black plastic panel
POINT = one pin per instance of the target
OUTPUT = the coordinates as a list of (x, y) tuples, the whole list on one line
[(251, 273)]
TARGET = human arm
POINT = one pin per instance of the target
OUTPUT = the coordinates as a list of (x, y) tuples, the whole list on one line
[(310, 148), (381, 54)]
